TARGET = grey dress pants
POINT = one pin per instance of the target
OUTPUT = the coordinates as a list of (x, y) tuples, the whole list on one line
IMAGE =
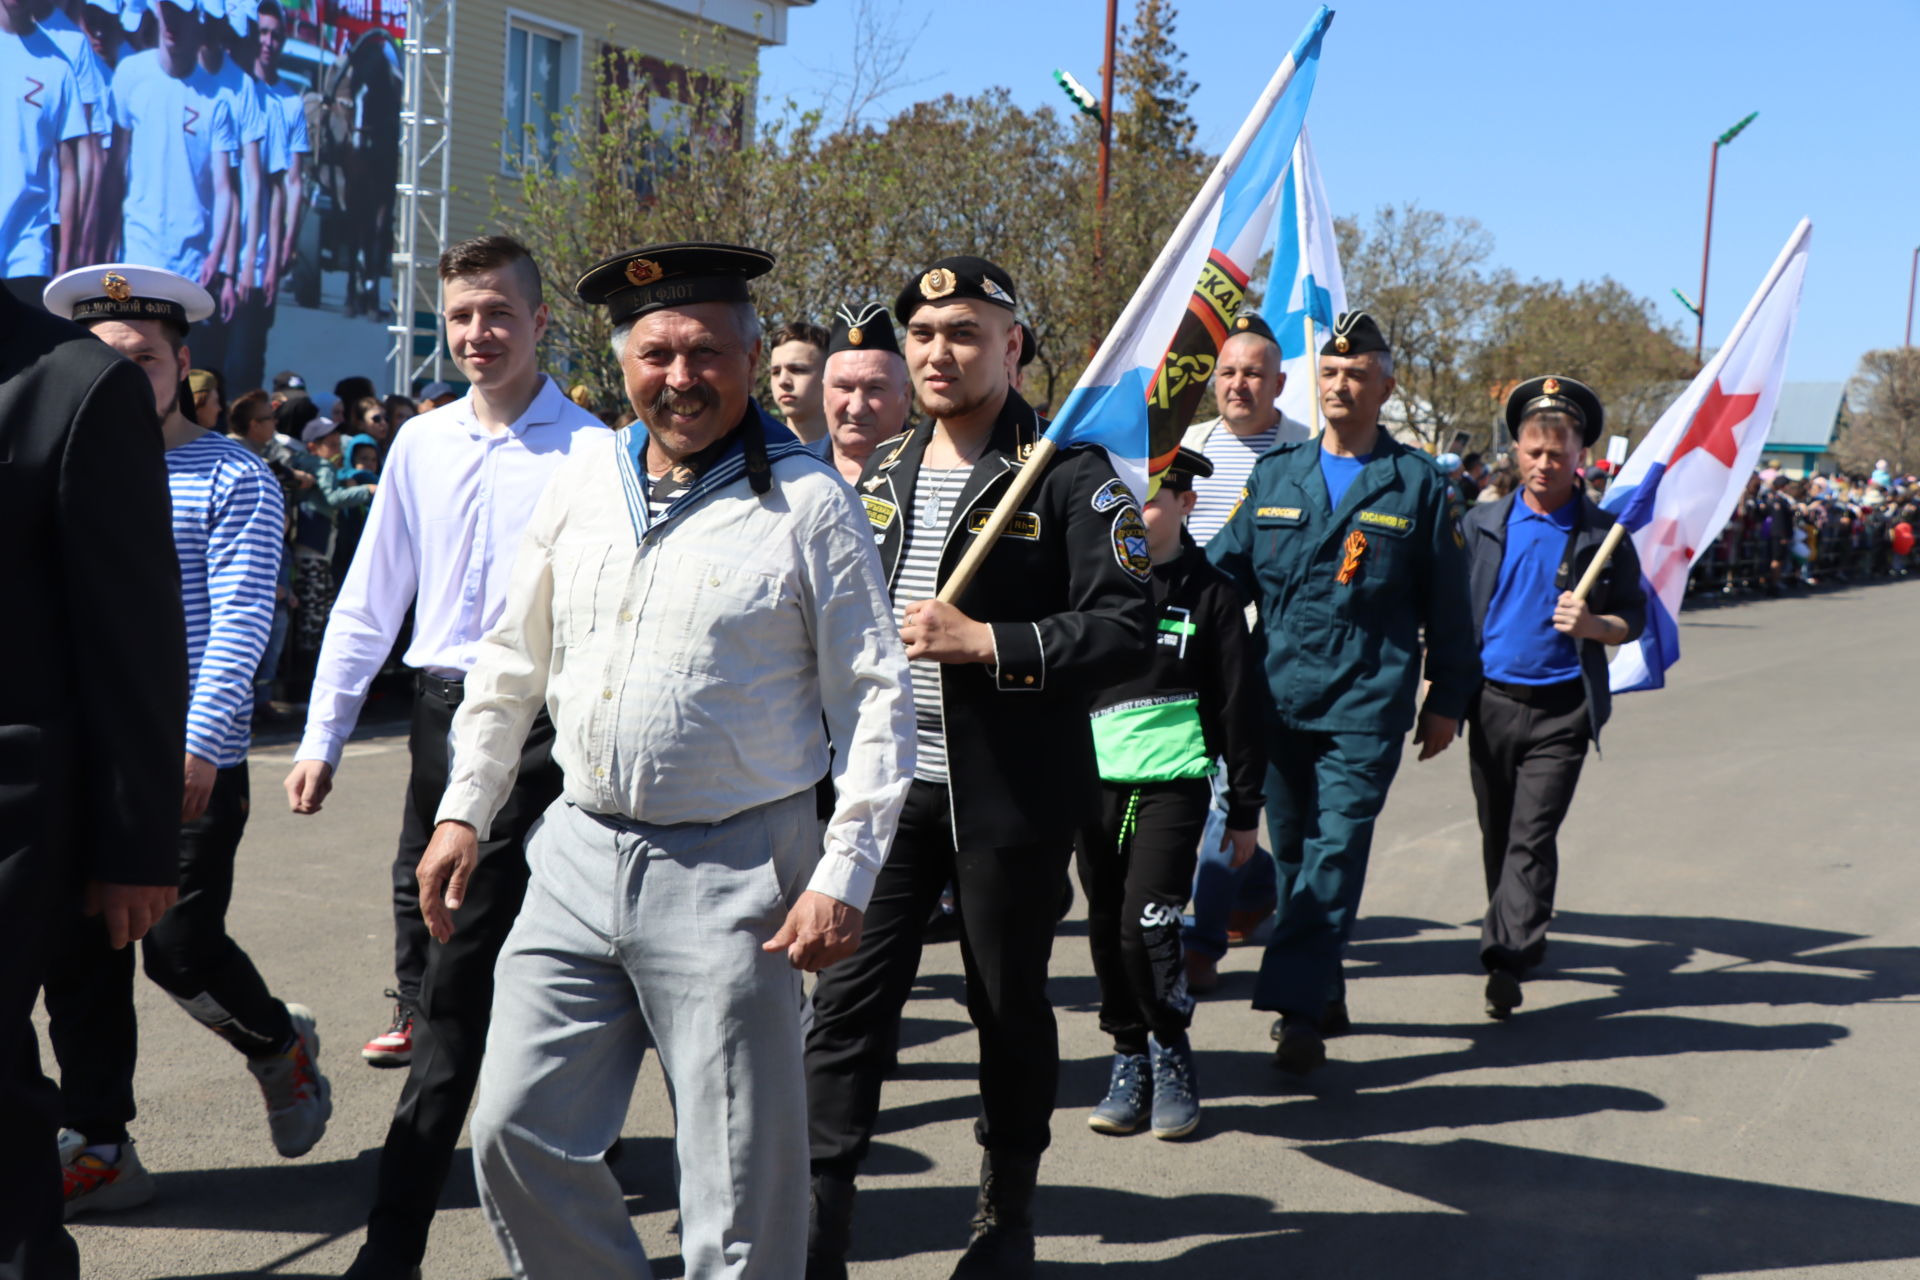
[(635, 936)]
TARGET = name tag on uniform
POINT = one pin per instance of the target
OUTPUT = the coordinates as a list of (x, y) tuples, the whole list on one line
[(880, 512), (1385, 520), (1025, 524), (1281, 515)]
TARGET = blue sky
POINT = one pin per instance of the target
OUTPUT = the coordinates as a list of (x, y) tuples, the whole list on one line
[(1578, 133)]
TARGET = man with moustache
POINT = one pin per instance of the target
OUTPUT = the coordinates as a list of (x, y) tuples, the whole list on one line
[(1004, 680), (1351, 549), (440, 538), (680, 884), (1247, 381), (1543, 692), (865, 389)]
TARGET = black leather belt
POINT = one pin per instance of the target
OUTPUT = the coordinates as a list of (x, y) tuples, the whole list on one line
[(450, 692), (1534, 695)]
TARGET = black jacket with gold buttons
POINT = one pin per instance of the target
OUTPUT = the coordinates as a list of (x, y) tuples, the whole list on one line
[(1065, 590)]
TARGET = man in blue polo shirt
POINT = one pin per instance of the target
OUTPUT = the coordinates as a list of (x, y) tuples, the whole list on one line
[(1543, 693)]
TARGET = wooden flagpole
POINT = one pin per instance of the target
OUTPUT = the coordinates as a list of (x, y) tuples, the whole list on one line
[(997, 523), (1600, 558)]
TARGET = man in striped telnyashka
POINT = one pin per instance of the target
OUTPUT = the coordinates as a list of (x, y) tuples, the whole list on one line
[(228, 518)]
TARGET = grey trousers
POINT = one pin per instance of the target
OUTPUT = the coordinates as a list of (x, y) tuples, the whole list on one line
[(634, 936)]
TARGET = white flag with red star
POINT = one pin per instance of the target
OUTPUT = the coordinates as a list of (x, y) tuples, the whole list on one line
[(1680, 486)]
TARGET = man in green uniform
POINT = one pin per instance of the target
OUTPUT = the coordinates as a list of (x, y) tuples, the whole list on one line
[(1350, 546)]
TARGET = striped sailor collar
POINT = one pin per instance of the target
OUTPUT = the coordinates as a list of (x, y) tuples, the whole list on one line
[(731, 467)]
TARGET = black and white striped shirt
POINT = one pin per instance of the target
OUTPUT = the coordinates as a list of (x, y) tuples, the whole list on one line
[(936, 499)]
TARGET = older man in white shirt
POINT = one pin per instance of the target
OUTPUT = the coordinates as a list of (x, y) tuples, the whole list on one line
[(695, 598)]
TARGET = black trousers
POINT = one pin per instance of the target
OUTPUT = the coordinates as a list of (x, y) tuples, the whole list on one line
[(1136, 868), (1526, 747), (39, 899), (188, 954), (456, 987), (433, 706), (1007, 901)]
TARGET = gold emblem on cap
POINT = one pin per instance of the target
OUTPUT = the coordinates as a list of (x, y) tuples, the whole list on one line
[(1551, 387), (1243, 322), (856, 335), (116, 286), (643, 271), (1341, 344), (938, 283)]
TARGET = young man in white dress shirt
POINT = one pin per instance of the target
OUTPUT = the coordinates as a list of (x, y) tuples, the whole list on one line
[(441, 537), (700, 603)]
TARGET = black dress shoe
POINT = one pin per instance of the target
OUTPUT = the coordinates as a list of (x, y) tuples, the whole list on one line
[(1503, 994), (1302, 1049), (1335, 1021)]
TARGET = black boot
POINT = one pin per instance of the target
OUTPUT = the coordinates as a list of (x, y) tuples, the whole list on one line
[(829, 1226), (1002, 1244)]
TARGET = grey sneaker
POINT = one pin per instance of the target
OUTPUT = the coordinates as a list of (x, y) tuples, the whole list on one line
[(94, 1186), (299, 1099), (72, 1143), (1176, 1098), (1124, 1109)]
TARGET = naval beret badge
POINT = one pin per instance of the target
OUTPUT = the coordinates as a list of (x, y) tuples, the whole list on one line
[(856, 335), (938, 283), (1341, 344), (116, 286), (643, 271), (1244, 322)]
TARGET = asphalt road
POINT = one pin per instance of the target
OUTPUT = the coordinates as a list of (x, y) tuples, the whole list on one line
[(1716, 1078)]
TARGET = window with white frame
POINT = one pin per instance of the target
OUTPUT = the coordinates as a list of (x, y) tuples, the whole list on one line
[(543, 74)]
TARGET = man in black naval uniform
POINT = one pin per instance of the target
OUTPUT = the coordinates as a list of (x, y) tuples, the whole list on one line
[(1544, 695), (1003, 682), (1351, 548), (93, 710)]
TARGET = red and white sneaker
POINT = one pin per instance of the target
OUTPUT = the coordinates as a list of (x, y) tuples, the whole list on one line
[(394, 1046), (94, 1186)]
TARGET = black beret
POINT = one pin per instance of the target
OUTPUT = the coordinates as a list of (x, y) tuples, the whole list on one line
[(1354, 334), (1556, 394), (952, 279), (1186, 465), (1251, 321), (672, 275), (867, 329), (1029, 345)]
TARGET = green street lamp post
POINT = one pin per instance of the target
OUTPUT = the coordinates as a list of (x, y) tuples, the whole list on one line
[(1713, 172)]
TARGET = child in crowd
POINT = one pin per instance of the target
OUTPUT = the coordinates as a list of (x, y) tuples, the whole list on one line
[(1158, 738)]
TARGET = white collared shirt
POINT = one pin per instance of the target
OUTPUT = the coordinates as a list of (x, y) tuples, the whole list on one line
[(687, 668), (440, 536)]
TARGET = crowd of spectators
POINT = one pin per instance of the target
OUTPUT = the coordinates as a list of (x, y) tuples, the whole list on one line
[(327, 457)]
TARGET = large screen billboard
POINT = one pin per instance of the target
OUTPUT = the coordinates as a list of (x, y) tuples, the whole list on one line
[(252, 145)]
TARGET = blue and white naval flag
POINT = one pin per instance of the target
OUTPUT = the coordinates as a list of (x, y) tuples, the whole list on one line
[(1676, 492), (1305, 290), (1139, 394)]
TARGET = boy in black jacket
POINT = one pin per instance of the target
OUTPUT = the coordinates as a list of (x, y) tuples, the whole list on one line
[(1157, 738)]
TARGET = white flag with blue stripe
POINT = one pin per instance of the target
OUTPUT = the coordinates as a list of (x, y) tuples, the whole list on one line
[(1148, 376), (1305, 289), (1675, 493)]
